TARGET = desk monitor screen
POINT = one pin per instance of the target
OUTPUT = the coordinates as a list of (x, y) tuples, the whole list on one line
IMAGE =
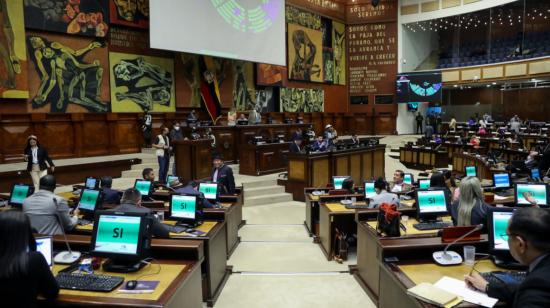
[(534, 192), (535, 173), (369, 189), (497, 228), (210, 190), (470, 170), (143, 186), (19, 192), (89, 199), (501, 180), (408, 178), (183, 208), (91, 183), (424, 184), (337, 181), (171, 178), (431, 202), (44, 245), (117, 234)]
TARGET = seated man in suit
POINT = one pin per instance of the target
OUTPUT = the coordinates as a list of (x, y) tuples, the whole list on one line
[(529, 244), (320, 144), (47, 211), (382, 195), (223, 175), (110, 196), (131, 202), (296, 144), (192, 188), (398, 185)]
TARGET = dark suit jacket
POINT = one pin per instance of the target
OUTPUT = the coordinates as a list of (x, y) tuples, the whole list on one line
[(42, 155), (533, 292), (294, 148), (111, 196), (189, 190), (225, 179), (158, 229)]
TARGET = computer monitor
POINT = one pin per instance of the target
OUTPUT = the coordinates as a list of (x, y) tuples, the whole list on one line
[(143, 186), (123, 237), (431, 203), (424, 184), (501, 180), (171, 178), (498, 218), (338, 180), (183, 208), (19, 192), (470, 170), (44, 245), (408, 178), (91, 182), (535, 174), (369, 189), (210, 190), (90, 201), (536, 191)]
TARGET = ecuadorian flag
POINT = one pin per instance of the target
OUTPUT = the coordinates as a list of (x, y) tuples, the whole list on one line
[(210, 91)]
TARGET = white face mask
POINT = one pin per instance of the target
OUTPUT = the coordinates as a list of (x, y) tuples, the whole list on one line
[(176, 127)]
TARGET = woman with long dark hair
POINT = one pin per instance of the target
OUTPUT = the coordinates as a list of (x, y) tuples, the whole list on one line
[(36, 157), (24, 273)]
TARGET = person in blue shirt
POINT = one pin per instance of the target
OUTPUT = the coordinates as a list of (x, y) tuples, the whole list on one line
[(320, 144), (110, 196)]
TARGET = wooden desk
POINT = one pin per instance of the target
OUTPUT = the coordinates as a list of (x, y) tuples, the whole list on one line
[(180, 286), (425, 158), (193, 158), (396, 278), (372, 249), (263, 159), (461, 160), (312, 211), (317, 169)]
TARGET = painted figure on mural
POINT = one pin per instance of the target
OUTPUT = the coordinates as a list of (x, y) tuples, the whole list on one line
[(191, 74), (7, 48), (242, 98), (305, 51), (339, 53), (132, 74), (65, 77)]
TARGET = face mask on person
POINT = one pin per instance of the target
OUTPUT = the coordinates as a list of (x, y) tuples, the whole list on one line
[(176, 127)]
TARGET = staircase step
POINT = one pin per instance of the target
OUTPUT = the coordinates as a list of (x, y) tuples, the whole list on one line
[(148, 150), (267, 199), (261, 183), (262, 191), (145, 165), (136, 174)]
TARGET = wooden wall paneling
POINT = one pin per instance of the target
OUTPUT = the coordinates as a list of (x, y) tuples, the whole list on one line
[(339, 123), (384, 124), (77, 122), (225, 144), (57, 125), (95, 135), (112, 134), (128, 134), (341, 165), (317, 121), (296, 170), (360, 125), (355, 168), (321, 171), (366, 169), (14, 131), (379, 166)]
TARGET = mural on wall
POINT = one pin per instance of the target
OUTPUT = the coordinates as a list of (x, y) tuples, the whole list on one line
[(141, 83), (13, 53), (68, 74), (305, 54), (302, 100), (265, 101), (297, 16), (133, 13), (339, 52), (271, 75), (244, 91), (84, 17), (328, 65), (188, 80)]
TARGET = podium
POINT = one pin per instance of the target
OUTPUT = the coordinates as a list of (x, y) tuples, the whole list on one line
[(193, 158)]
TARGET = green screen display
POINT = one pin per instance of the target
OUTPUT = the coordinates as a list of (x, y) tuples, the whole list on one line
[(210, 190), (537, 192), (369, 189), (171, 178), (500, 223), (88, 199), (471, 171), (143, 187), (184, 206), (19, 194), (407, 179), (431, 201), (118, 234), (338, 180), (424, 184)]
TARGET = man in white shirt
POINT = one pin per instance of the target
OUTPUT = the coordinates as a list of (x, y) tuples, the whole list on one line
[(398, 185)]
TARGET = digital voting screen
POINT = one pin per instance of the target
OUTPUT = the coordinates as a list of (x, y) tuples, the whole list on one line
[(369, 189), (536, 192), (338, 181), (184, 206), (431, 201), (500, 223), (118, 234), (88, 199), (143, 187), (423, 87), (19, 194), (210, 190)]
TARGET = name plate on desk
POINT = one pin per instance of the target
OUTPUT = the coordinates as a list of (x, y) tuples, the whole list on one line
[(428, 148), (451, 234), (415, 147)]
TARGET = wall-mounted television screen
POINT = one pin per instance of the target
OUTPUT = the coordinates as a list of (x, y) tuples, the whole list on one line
[(419, 87)]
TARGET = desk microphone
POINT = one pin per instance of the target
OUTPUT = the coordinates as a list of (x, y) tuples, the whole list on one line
[(68, 256), (450, 257)]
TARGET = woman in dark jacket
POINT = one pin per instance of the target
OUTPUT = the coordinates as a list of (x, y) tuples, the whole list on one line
[(36, 157)]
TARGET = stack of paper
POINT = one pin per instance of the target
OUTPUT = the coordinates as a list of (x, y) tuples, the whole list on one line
[(459, 288), (436, 296)]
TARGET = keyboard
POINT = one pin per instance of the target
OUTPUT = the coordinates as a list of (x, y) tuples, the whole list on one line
[(504, 277), (84, 222), (87, 282), (357, 207), (425, 226), (175, 229)]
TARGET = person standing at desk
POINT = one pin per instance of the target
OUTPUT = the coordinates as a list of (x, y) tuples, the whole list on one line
[(162, 144), (24, 273), (452, 124), (36, 157), (254, 117), (382, 195), (296, 144), (46, 210), (470, 208), (419, 119), (527, 235), (223, 175), (147, 128)]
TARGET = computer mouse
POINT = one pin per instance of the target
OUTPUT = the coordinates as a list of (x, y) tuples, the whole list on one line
[(131, 284)]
